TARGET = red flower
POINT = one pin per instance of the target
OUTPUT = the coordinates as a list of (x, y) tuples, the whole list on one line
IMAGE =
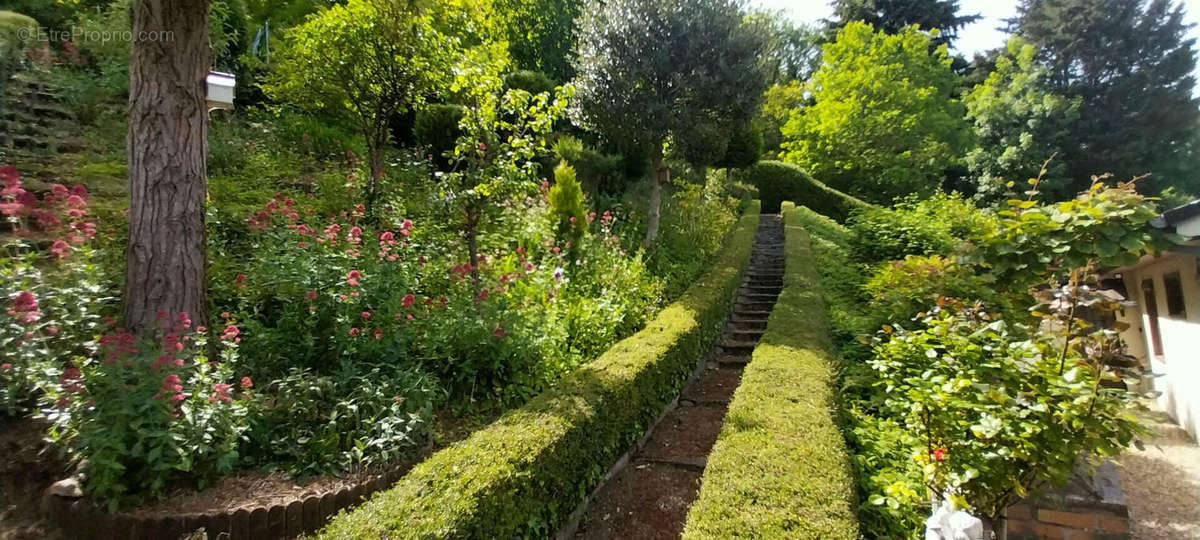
[(499, 333), (239, 280), (482, 296), (378, 334), (25, 308), (311, 295), (408, 300), (939, 454)]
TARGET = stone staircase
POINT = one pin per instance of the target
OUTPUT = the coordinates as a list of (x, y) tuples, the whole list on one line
[(648, 493), (33, 118)]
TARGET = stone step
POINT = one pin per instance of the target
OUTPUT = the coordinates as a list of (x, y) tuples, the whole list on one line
[(749, 297), (733, 361), (755, 306), (741, 323), (737, 348), (749, 335), (751, 314)]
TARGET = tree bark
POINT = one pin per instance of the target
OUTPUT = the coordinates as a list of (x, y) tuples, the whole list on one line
[(659, 177), (166, 148)]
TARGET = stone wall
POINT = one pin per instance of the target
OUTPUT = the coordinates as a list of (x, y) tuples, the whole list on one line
[(1086, 509)]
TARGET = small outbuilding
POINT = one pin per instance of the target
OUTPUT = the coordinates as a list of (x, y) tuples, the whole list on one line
[(1163, 314)]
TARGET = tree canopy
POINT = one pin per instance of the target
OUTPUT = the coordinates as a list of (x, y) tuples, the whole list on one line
[(1133, 69), (893, 16), (884, 123), (1020, 126)]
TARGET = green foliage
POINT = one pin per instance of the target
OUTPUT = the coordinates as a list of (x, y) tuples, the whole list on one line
[(599, 172), (899, 290), (934, 226), (993, 412), (372, 60), (793, 50), (437, 127), (1106, 226), (744, 148), (1132, 65), (780, 101), (567, 206), (541, 35), (353, 417), (144, 413), (894, 16), (1019, 125), (533, 82), (779, 467), (525, 473), (696, 218), (884, 123), (778, 182)]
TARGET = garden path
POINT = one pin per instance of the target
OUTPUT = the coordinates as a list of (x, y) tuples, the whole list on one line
[(649, 496), (1162, 483)]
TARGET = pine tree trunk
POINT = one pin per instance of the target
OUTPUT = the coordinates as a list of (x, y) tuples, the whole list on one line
[(659, 177), (166, 147)]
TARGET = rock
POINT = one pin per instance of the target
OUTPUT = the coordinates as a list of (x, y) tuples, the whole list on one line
[(67, 487)]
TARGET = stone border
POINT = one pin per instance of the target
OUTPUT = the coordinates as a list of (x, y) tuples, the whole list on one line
[(84, 521)]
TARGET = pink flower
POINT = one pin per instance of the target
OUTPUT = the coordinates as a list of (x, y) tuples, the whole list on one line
[(220, 393), (352, 278), (239, 280), (482, 296), (60, 191), (354, 332), (311, 295), (378, 334), (25, 308), (366, 314), (408, 300), (231, 332), (6, 366), (60, 248), (247, 383), (499, 333)]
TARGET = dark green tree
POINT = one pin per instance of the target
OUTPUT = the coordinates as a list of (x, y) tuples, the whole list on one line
[(793, 50), (893, 16), (541, 34), (653, 70), (1132, 67)]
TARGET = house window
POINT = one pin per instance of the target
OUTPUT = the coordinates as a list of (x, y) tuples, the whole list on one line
[(1150, 305), (1173, 285)]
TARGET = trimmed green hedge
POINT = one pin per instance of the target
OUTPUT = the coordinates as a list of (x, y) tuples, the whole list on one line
[(778, 181), (525, 473), (780, 468)]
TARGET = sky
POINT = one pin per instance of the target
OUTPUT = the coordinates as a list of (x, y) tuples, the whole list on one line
[(978, 37)]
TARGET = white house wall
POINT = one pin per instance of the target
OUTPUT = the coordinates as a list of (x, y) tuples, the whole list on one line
[(1178, 369)]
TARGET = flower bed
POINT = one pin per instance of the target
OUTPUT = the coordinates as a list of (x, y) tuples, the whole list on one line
[(522, 475), (779, 468)]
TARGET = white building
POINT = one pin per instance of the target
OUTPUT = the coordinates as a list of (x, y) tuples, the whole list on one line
[(1164, 316)]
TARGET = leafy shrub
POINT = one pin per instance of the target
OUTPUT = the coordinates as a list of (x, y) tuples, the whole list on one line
[(437, 127), (534, 82), (144, 414), (744, 148), (567, 206), (902, 289), (934, 226), (779, 467), (600, 173), (778, 182), (694, 222), (357, 416)]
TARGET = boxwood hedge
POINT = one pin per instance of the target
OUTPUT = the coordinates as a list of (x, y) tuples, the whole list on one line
[(524, 474), (780, 468), (778, 181)]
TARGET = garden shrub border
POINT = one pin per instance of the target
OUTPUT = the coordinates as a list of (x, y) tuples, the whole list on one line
[(523, 475), (780, 468), (778, 182)]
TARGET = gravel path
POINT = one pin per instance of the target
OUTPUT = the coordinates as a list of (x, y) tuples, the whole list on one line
[(1162, 484)]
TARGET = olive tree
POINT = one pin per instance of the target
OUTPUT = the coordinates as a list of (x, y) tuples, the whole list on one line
[(650, 71)]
